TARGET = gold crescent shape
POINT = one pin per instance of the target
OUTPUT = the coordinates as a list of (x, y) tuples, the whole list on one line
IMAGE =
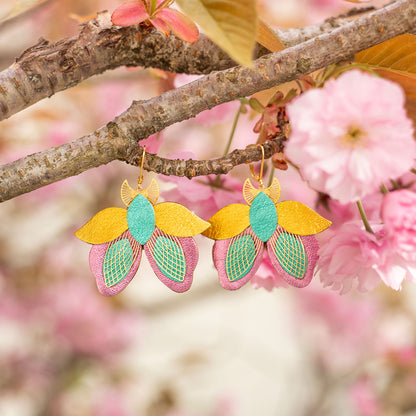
[(273, 191), (249, 191), (151, 192), (127, 193)]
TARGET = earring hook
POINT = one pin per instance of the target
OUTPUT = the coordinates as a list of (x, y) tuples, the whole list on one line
[(258, 176), (140, 179)]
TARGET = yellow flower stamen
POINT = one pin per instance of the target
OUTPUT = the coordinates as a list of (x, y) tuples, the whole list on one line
[(354, 137)]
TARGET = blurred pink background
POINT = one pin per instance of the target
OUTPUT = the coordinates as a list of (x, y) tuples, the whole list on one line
[(66, 350)]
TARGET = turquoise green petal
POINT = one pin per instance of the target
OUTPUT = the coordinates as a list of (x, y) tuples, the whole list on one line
[(240, 257), (117, 262), (291, 254), (170, 258), (141, 219), (263, 216)]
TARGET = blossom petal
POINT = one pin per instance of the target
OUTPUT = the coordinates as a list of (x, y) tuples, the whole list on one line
[(129, 13), (341, 135), (182, 26), (351, 257)]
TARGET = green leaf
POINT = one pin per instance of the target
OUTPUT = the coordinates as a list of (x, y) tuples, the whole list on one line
[(256, 105), (154, 4), (231, 24)]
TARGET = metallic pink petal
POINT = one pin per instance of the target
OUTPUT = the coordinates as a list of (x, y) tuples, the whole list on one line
[(223, 249), (182, 26), (185, 245), (129, 13), (310, 246)]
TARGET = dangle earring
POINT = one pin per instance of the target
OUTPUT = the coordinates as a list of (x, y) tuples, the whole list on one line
[(164, 231), (286, 228)]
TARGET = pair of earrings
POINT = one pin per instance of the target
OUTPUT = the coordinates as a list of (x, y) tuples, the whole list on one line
[(165, 230)]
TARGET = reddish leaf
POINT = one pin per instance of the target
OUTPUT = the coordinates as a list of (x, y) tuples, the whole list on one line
[(129, 13), (160, 25), (182, 26)]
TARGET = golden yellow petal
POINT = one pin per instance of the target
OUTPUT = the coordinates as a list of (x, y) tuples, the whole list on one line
[(228, 222), (104, 226), (299, 219), (174, 219)]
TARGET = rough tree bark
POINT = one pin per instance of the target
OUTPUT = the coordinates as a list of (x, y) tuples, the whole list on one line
[(44, 69), (119, 139)]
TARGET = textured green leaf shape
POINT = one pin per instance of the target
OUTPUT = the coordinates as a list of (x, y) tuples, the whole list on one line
[(231, 24), (170, 258), (117, 262), (240, 257), (291, 254)]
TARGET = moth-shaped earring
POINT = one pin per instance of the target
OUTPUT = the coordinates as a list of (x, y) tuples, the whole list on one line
[(286, 228), (164, 230)]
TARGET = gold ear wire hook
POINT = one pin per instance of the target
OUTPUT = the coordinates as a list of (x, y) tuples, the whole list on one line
[(140, 179), (258, 177)]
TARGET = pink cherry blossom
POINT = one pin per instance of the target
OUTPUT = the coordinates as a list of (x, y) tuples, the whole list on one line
[(162, 18), (404, 357), (267, 276), (350, 136), (365, 398), (342, 327), (110, 402), (392, 268), (347, 257), (339, 213), (351, 256), (398, 212), (153, 142), (86, 323), (201, 194)]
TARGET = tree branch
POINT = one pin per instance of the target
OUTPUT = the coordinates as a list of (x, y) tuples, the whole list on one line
[(120, 138), (191, 168), (45, 69)]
